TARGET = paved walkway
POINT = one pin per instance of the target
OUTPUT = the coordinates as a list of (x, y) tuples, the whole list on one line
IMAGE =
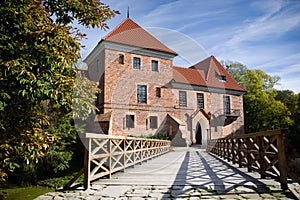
[(183, 174)]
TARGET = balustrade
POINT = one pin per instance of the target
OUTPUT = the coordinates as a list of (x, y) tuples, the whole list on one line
[(263, 152), (106, 154)]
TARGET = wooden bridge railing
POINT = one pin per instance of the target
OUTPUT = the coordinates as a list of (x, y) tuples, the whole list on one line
[(263, 152), (107, 154)]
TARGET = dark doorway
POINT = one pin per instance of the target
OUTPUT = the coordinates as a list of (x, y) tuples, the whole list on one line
[(198, 134)]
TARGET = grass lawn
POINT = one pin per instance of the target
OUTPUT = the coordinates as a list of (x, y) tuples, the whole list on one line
[(23, 193)]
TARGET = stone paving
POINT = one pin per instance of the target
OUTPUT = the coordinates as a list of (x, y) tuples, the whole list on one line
[(183, 174), (166, 192)]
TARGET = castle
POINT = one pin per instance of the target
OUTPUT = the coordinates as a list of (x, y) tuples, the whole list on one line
[(142, 93)]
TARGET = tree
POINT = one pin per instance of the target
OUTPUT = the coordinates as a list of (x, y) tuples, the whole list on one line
[(38, 47), (292, 102), (262, 110)]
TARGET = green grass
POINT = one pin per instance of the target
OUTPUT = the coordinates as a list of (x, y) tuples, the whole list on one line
[(60, 181), (23, 193), (64, 177)]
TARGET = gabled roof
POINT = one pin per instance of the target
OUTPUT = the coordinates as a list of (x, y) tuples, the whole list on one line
[(130, 33), (207, 73), (188, 76)]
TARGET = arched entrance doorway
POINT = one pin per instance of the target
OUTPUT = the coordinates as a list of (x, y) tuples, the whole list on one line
[(198, 134)]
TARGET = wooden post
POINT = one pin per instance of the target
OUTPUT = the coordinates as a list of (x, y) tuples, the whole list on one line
[(233, 150), (134, 152), (228, 142), (110, 156), (282, 160), (239, 151), (261, 160), (87, 164), (219, 147), (125, 141), (248, 154)]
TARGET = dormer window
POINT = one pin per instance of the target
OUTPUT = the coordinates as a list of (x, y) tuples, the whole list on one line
[(221, 78)]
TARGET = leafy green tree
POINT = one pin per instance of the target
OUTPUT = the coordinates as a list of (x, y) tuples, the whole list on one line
[(289, 98), (292, 102), (262, 110), (38, 46)]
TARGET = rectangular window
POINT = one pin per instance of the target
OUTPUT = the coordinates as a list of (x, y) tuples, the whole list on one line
[(129, 121), (200, 100), (226, 104), (136, 63), (153, 122), (158, 92), (155, 65), (182, 99), (142, 94)]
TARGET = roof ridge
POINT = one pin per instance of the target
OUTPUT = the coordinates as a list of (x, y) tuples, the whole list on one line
[(130, 33), (226, 72), (118, 27), (211, 58), (207, 77), (187, 68)]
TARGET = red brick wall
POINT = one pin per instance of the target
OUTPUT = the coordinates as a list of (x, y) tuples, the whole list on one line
[(119, 96)]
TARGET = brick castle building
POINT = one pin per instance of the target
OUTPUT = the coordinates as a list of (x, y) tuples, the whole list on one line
[(142, 93)]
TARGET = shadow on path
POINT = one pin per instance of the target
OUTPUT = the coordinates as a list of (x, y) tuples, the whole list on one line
[(209, 175)]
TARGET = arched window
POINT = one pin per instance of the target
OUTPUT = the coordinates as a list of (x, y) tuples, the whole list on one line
[(121, 59)]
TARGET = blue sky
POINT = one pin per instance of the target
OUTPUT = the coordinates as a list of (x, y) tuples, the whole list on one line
[(261, 34)]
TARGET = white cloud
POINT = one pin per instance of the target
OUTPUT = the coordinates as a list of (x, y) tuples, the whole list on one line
[(278, 19), (189, 50), (289, 84), (256, 33)]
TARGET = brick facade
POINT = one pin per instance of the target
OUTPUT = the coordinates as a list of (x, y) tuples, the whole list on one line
[(112, 65)]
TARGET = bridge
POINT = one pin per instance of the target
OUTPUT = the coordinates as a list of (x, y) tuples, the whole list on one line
[(250, 166)]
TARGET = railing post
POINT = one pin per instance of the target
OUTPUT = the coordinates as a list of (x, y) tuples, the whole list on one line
[(282, 160), (134, 152), (87, 164), (233, 149), (219, 147), (228, 149), (239, 152), (110, 156), (248, 154), (124, 153), (261, 156)]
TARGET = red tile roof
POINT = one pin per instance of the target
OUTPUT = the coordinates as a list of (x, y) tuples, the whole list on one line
[(188, 76), (205, 73), (130, 33)]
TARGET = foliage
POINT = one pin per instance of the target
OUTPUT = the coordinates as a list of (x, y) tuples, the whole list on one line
[(292, 102), (37, 80), (262, 110), (59, 181), (156, 136)]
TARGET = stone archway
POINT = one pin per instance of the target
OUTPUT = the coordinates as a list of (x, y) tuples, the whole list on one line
[(198, 134), (201, 132)]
